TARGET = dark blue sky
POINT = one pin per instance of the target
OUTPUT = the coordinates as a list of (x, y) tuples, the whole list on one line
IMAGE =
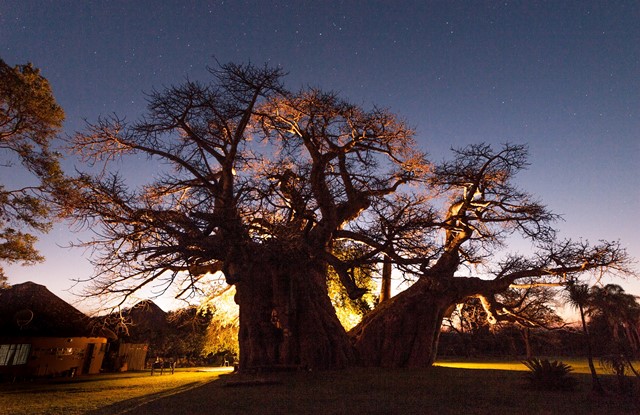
[(562, 76)]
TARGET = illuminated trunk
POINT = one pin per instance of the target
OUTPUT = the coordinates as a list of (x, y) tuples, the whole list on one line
[(405, 330), (385, 284), (287, 319)]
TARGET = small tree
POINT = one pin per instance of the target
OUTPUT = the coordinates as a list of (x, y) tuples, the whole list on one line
[(617, 315), (531, 308), (187, 333)]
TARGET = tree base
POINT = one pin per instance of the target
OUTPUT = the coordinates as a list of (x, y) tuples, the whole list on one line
[(404, 331)]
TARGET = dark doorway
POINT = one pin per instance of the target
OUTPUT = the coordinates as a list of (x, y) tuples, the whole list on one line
[(88, 358)]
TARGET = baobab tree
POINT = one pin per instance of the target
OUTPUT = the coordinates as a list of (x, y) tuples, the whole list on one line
[(262, 179), (484, 207), (269, 186)]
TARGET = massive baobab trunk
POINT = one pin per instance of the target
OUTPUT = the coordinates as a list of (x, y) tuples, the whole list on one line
[(404, 331), (286, 317)]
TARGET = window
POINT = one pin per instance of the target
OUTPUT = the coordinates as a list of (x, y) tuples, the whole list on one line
[(14, 354), (22, 354), (6, 354), (64, 351)]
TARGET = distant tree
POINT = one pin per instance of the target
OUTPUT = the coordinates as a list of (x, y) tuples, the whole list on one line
[(531, 308), (350, 311), (221, 338), (608, 307), (620, 312), (615, 322), (29, 119), (187, 333), (469, 321), (221, 334), (523, 310)]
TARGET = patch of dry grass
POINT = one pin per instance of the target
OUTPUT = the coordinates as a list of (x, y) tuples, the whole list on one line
[(90, 393)]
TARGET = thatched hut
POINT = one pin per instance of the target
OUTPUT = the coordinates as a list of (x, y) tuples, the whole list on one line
[(42, 335)]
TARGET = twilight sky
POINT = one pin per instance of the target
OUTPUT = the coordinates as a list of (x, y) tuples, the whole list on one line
[(562, 76)]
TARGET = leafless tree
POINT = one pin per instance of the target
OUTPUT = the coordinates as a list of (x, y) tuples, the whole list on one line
[(261, 180), (264, 184)]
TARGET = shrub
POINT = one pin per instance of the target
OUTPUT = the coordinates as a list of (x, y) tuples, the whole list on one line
[(546, 375), (618, 365)]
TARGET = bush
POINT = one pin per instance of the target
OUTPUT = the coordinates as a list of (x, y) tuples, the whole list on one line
[(546, 375), (618, 365)]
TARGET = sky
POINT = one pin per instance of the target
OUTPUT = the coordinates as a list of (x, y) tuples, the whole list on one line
[(560, 76)]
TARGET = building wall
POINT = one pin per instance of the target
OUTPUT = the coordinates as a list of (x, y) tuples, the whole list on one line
[(134, 355), (54, 356)]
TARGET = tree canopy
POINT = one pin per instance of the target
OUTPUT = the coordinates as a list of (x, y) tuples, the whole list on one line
[(29, 120), (272, 187)]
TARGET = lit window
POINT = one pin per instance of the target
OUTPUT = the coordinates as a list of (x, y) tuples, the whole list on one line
[(14, 354), (22, 354)]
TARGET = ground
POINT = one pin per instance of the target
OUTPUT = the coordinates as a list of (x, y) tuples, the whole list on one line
[(496, 388)]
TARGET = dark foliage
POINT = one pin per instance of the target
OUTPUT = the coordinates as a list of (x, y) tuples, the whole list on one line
[(546, 375)]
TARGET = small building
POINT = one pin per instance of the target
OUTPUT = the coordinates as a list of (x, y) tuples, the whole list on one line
[(51, 356), (123, 357), (42, 335), (134, 331)]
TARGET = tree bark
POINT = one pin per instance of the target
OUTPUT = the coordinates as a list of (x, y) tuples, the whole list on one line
[(385, 285), (404, 331), (287, 319)]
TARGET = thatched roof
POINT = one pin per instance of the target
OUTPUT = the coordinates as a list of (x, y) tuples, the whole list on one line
[(138, 323), (147, 313), (30, 309), (144, 323)]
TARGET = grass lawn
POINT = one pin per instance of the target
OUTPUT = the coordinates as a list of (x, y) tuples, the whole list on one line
[(498, 388), (580, 366), (86, 393)]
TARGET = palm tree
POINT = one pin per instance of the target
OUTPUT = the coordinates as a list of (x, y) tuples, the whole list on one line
[(621, 313), (580, 298)]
